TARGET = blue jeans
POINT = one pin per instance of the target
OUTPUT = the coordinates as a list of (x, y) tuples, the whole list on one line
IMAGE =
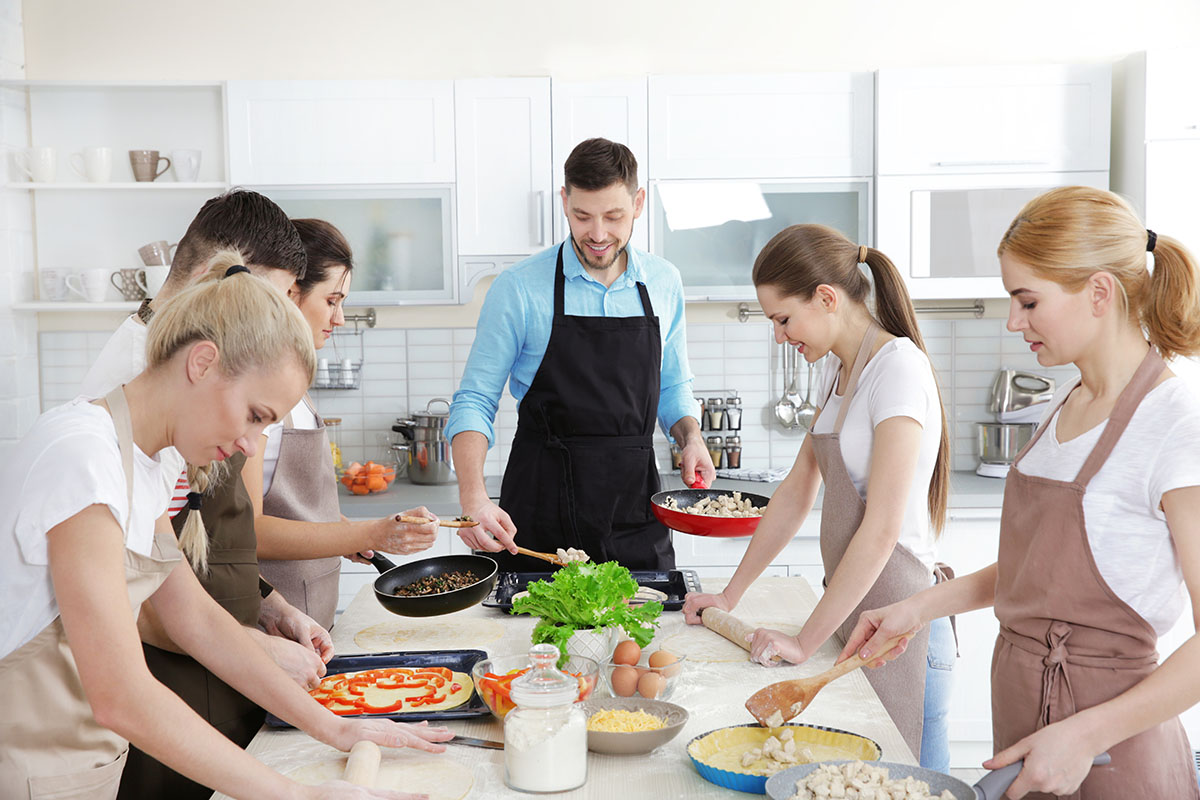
[(939, 680)]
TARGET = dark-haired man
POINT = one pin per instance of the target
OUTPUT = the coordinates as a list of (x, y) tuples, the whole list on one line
[(590, 337)]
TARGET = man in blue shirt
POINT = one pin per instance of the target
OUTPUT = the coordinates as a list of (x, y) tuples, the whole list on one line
[(590, 337)]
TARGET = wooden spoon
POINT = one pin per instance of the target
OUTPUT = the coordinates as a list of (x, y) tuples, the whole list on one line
[(362, 767), (445, 523), (551, 557), (786, 699)]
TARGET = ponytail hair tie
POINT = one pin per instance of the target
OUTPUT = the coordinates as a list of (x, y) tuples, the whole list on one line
[(193, 498), (1151, 240), (862, 254), (235, 269)]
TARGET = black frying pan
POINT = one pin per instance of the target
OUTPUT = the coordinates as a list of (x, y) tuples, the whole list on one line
[(432, 605)]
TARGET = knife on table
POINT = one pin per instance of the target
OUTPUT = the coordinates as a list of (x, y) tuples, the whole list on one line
[(472, 742)]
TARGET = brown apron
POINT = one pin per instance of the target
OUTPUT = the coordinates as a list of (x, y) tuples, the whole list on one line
[(305, 488), (901, 684), (50, 744), (1067, 642)]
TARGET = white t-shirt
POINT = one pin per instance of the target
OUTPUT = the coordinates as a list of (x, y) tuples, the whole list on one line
[(123, 359), (68, 461), (302, 418), (1127, 531), (896, 382)]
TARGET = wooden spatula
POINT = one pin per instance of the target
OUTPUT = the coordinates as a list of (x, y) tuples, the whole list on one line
[(445, 523), (775, 704)]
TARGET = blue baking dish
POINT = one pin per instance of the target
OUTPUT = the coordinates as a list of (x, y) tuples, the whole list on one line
[(456, 660)]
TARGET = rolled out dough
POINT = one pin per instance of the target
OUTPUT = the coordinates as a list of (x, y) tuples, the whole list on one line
[(698, 643), (418, 634), (441, 779)]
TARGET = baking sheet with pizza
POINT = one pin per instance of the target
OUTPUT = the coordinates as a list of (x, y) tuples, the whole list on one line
[(422, 682)]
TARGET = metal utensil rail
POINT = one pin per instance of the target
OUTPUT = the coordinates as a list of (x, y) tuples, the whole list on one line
[(745, 312)]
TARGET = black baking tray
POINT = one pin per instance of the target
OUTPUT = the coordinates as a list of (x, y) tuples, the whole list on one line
[(673, 583), (456, 660)]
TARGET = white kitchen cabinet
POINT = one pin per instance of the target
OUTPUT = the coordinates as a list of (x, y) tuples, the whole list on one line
[(1036, 118), (502, 144), (473, 269), (612, 109), (1172, 201), (761, 126), (1163, 84), (341, 132)]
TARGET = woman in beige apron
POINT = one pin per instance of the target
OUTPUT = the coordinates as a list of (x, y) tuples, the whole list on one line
[(810, 286), (74, 693), (1075, 671), (301, 532)]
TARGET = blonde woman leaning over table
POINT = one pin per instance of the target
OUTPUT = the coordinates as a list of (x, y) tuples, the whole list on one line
[(1100, 528), (302, 534), (84, 540), (879, 444)]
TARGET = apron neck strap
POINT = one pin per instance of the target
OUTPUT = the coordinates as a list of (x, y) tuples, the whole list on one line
[(560, 283), (1131, 396), (118, 408), (860, 361)]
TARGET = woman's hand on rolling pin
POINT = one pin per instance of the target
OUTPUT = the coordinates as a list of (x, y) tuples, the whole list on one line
[(405, 538), (494, 532), (766, 643), (695, 602), (386, 733), (878, 626), (340, 790)]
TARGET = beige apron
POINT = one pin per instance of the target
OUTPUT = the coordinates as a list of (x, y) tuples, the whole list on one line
[(50, 744), (901, 683), (305, 488), (1067, 642)]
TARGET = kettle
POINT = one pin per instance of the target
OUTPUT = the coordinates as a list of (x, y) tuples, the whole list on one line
[(1017, 396), (429, 459)]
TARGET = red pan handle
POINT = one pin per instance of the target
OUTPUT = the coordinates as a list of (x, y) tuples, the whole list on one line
[(699, 483)]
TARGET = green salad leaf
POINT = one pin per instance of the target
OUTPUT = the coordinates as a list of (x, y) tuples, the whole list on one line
[(583, 596)]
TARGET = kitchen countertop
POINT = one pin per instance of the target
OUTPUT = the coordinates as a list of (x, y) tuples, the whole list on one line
[(967, 491), (712, 693)]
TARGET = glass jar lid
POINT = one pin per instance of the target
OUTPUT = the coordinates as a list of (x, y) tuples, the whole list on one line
[(544, 686), (333, 421), (716, 401), (733, 401)]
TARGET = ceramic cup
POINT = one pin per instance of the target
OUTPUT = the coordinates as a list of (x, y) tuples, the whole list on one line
[(54, 286), (186, 165), (39, 163), (155, 277), (130, 282), (156, 254), (145, 164), (91, 284), (95, 164)]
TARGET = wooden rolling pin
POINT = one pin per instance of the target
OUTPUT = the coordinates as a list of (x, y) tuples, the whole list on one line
[(727, 625), (362, 767)]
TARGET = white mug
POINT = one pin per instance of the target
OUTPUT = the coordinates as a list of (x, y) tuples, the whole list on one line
[(95, 164), (92, 284), (186, 164), (155, 277), (39, 163), (54, 285)]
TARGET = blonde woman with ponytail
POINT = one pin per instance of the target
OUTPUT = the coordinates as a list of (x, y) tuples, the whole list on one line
[(879, 445), (85, 540), (1100, 530)]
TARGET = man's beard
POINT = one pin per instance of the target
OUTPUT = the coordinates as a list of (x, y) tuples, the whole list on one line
[(585, 255)]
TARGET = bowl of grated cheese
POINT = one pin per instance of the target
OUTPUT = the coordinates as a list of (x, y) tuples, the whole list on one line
[(631, 725)]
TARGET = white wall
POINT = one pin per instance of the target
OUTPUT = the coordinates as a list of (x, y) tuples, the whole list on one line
[(221, 39)]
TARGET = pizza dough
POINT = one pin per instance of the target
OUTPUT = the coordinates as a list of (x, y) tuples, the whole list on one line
[(698, 643), (381, 698), (441, 778), (421, 634)]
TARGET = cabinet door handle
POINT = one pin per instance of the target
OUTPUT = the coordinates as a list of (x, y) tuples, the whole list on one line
[(539, 216), (989, 163)]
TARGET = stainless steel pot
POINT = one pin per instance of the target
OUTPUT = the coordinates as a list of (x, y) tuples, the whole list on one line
[(999, 442), (429, 459)]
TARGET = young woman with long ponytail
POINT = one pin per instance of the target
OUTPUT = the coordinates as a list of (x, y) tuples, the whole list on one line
[(1099, 532), (879, 445)]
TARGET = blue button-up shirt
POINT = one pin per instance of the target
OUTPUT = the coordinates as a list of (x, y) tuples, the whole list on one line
[(514, 331)]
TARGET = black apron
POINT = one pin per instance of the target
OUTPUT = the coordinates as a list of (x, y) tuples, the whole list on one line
[(582, 470)]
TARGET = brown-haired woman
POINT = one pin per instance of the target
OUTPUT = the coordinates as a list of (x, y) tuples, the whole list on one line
[(879, 444), (1100, 529)]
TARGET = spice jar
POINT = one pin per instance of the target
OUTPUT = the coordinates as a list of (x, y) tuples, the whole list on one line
[(733, 452), (703, 415), (733, 413), (333, 429), (716, 413), (716, 446), (545, 736), (676, 456)]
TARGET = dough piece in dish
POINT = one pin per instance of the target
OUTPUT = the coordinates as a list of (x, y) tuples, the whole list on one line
[(441, 779), (419, 634), (698, 643)]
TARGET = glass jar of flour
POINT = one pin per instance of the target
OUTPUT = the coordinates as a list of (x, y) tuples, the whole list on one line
[(545, 736)]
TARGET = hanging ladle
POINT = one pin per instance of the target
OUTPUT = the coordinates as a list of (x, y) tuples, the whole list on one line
[(807, 412), (785, 411)]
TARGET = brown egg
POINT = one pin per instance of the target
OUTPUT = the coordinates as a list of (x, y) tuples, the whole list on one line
[(664, 658), (624, 680), (627, 652), (651, 685)]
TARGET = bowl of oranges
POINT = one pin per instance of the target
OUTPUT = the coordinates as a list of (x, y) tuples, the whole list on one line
[(368, 478)]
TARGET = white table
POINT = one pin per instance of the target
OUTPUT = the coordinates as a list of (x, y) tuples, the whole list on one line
[(713, 694)]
